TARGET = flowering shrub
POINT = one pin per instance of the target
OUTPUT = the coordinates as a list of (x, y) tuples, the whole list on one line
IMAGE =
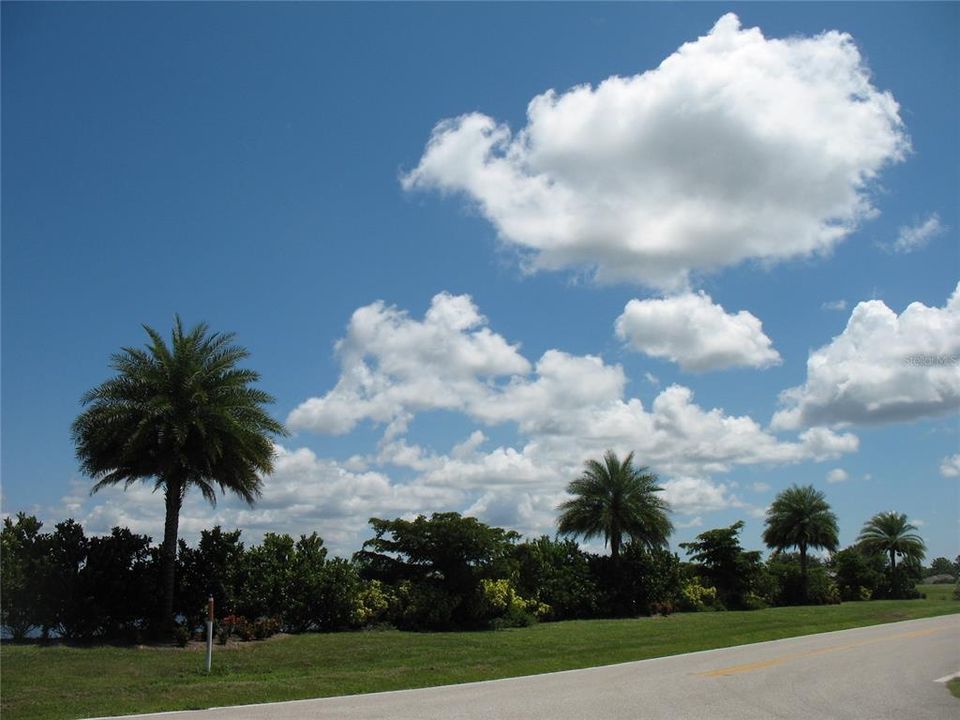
[(696, 597), (501, 603), (259, 629), (372, 604)]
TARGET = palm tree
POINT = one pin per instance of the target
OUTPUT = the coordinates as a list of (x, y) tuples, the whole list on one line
[(179, 416), (614, 499), (800, 517), (889, 532)]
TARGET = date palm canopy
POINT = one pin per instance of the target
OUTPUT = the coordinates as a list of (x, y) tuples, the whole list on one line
[(891, 533), (614, 500), (179, 416)]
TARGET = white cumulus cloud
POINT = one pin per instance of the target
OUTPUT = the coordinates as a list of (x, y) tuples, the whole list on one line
[(838, 475), (950, 466), (736, 147), (393, 365), (696, 333), (883, 368)]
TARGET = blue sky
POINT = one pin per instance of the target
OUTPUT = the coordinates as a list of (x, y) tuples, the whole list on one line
[(471, 245)]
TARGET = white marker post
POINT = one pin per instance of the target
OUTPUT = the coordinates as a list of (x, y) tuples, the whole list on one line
[(209, 632)]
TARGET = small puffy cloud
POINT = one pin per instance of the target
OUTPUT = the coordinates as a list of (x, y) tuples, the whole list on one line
[(883, 368), (760, 487), (838, 475), (916, 236), (838, 305), (950, 466), (696, 333), (736, 147)]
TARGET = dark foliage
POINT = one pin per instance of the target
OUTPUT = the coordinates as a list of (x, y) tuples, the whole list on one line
[(441, 560), (557, 573), (721, 562)]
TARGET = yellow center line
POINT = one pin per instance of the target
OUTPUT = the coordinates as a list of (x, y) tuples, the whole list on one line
[(749, 667)]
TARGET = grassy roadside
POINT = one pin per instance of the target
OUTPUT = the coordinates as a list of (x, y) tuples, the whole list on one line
[(68, 682)]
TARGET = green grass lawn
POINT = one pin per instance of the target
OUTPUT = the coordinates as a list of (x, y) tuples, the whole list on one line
[(72, 682)]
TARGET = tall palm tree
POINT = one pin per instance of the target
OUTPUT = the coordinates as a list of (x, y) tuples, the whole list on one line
[(890, 533), (800, 517), (179, 416), (614, 499)]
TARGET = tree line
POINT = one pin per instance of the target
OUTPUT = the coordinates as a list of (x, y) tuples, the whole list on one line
[(442, 572), (184, 416)]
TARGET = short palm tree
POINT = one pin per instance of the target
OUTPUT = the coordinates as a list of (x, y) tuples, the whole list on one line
[(179, 416), (614, 499), (800, 517), (889, 532)]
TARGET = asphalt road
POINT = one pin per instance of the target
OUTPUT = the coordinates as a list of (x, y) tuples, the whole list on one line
[(884, 671)]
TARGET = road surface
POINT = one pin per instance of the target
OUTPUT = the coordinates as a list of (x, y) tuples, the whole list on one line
[(884, 671)]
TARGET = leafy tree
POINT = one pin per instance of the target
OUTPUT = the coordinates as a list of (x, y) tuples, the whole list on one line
[(212, 568), (642, 581), (62, 596), (615, 500), (800, 517), (858, 574), (793, 587), (181, 416), (117, 585), (890, 533), (724, 564), (441, 560), (264, 586), (941, 566), (22, 552), (557, 573), (323, 594)]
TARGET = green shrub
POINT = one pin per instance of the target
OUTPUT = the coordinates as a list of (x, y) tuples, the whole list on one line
[(265, 627), (502, 606), (424, 606), (181, 636), (557, 573), (694, 597), (372, 605), (752, 601), (820, 589)]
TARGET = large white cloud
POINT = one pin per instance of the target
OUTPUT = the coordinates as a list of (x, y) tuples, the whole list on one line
[(883, 368), (696, 333), (736, 147)]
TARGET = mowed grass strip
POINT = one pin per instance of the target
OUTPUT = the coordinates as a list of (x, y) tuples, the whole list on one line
[(70, 682)]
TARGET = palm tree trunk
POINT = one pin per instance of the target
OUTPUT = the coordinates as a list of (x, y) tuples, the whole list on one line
[(168, 557), (893, 562), (803, 569)]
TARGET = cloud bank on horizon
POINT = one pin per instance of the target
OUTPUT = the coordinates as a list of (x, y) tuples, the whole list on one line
[(737, 147)]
